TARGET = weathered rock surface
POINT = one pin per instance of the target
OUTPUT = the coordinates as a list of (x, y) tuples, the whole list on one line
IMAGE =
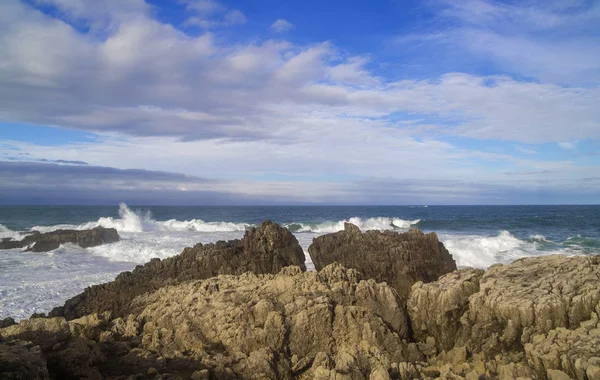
[(400, 259), (266, 249), (294, 324), (44, 242), (541, 313)]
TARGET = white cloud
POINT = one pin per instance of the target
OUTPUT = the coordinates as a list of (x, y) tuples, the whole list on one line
[(208, 14), (198, 105), (568, 144), (550, 41), (281, 25), (148, 78)]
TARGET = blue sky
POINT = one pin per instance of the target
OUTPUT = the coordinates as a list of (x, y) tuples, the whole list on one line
[(300, 102)]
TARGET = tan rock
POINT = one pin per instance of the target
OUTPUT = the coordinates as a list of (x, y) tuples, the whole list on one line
[(554, 374), (41, 331)]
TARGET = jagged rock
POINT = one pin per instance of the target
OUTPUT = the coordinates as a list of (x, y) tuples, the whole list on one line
[(41, 331), (39, 242), (576, 352), (435, 309), (266, 249), (20, 360), (256, 324), (400, 259), (503, 309)]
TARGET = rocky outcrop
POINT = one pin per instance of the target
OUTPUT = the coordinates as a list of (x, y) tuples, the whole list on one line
[(400, 259), (540, 314), (266, 249), (39, 242), (294, 324)]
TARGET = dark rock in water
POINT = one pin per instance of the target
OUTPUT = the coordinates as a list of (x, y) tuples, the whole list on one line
[(7, 322), (266, 249), (39, 242), (400, 259)]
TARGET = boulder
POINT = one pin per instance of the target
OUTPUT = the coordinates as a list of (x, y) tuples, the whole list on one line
[(266, 249), (400, 259), (44, 242)]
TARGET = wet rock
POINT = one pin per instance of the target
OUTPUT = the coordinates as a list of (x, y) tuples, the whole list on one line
[(400, 259), (266, 249), (44, 242)]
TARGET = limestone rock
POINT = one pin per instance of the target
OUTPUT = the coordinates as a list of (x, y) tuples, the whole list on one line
[(264, 321), (400, 259), (504, 308), (573, 352), (528, 297), (266, 249), (43, 242), (435, 309), (41, 331)]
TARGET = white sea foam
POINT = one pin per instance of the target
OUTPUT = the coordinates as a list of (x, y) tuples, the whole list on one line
[(483, 251), (364, 224), (6, 232), (538, 238), (137, 222)]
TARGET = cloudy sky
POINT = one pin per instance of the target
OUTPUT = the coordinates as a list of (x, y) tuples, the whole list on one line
[(299, 102)]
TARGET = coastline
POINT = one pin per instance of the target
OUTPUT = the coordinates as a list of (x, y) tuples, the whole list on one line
[(534, 318)]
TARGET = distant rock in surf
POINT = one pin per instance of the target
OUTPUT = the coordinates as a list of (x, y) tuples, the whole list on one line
[(266, 249), (400, 259), (44, 242)]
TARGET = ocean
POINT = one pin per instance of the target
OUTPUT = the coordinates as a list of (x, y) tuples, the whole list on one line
[(476, 236)]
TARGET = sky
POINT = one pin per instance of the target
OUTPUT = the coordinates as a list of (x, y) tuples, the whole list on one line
[(299, 102)]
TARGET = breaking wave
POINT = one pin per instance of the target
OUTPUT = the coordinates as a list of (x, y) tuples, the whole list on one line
[(366, 224), (138, 221), (6, 232)]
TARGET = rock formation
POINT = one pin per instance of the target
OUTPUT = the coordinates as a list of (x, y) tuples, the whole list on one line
[(266, 249), (540, 314), (39, 242), (537, 318), (294, 324), (400, 259)]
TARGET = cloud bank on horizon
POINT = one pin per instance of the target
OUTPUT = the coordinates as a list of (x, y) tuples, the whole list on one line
[(231, 102)]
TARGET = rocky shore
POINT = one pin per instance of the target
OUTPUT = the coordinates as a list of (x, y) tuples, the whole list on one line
[(381, 306), (44, 242)]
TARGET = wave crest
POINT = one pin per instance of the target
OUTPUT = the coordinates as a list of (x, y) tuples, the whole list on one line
[(6, 232), (139, 221), (380, 223)]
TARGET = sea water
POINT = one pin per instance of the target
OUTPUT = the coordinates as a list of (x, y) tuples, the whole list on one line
[(476, 236)]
